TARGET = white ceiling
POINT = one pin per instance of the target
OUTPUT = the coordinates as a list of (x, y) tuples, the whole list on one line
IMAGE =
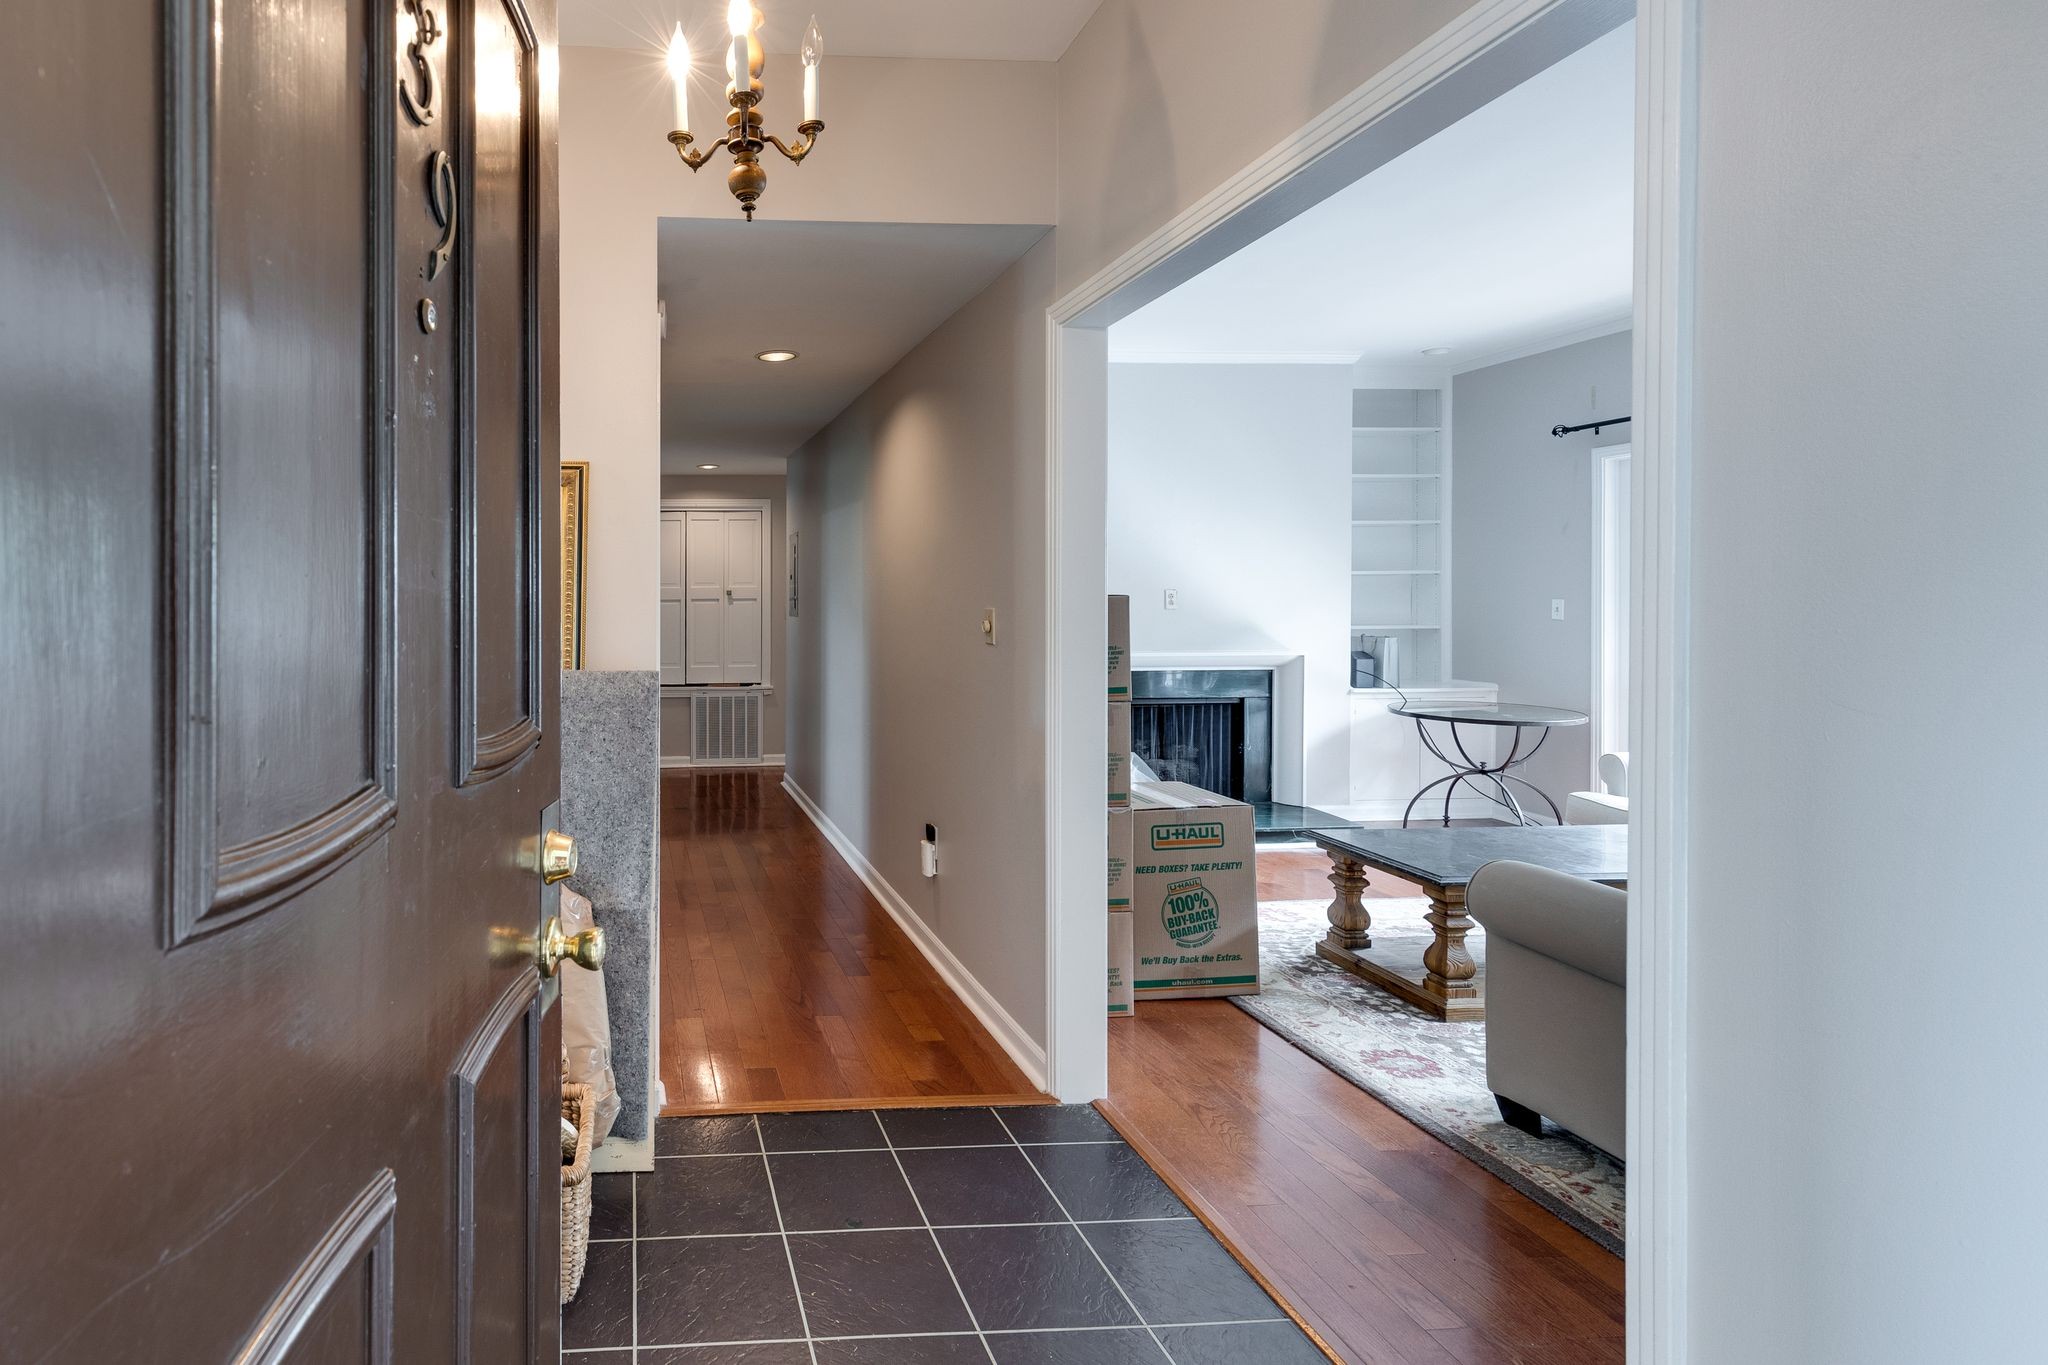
[(1510, 227), (851, 298), (988, 30)]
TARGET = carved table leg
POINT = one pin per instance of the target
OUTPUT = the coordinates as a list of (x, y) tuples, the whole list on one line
[(1350, 922), (1448, 967)]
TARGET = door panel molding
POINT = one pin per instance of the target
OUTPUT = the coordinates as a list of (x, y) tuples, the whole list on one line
[(515, 1018), (484, 754), (363, 1233), (212, 888)]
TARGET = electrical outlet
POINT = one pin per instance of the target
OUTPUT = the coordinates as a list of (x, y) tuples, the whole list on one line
[(928, 852), (1557, 609), (1173, 599)]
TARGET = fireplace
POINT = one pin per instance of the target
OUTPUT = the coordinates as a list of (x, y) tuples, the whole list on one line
[(1209, 727)]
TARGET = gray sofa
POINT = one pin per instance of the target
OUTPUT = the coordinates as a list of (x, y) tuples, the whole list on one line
[(1556, 990)]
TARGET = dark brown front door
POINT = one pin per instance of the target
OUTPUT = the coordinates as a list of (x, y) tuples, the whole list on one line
[(277, 712)]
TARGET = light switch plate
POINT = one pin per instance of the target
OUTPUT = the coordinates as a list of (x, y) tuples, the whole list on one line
[(988, 626), (1557, 609)]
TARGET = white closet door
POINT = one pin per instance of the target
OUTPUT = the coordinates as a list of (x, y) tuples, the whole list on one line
[(672, 670), (743, 588), (704, 561)]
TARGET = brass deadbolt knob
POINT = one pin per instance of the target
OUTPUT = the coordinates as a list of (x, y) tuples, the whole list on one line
[(557, 857)]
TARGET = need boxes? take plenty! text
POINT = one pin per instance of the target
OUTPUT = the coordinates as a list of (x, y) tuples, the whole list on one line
[(1194, 893), (1119, 754), (1120, 866), (1119, 648)]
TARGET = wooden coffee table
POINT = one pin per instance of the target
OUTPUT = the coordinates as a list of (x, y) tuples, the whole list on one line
[(1442, 978)]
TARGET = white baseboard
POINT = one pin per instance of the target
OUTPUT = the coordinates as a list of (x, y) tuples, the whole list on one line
[(1028, 1055), (615, 1155)]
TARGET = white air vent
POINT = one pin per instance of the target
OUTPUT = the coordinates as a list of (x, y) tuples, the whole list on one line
[(725, 728)]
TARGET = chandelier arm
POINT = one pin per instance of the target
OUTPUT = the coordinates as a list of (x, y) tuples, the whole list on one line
[(809, 139), (695, 160)]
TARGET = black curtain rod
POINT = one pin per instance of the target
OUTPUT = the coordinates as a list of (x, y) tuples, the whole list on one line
[(1594, 427)]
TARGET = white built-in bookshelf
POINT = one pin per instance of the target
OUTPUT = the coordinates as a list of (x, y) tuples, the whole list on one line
[(1399, 507)]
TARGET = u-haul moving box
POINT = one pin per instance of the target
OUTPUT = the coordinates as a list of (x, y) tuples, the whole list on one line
[(1119, 648), (1120, 1002), (1119, 860), (1119, 754), (1194, 893)]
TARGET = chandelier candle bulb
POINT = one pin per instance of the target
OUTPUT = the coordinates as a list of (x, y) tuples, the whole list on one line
[(679, 72), (813, 55), (739, 17)]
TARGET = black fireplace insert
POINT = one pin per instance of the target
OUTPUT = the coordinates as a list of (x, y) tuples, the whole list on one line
[(1209, 727)]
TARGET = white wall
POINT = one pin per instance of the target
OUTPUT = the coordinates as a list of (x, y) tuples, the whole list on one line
[(619, 174), (917, 508), (1161, 101), (1522, 534), (771, 488), (1867, 666), (1231, 483)]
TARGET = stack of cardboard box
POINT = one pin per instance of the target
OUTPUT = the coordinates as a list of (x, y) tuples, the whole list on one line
[(1183, 880), (1120, 862)]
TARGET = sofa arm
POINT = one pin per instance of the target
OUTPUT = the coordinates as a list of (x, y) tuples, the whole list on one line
[(1579, 923)]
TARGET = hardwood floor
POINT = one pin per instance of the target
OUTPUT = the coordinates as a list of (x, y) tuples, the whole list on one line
[(1392, 1246), (784, 984)]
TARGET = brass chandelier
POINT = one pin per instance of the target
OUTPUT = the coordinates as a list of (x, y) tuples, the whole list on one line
[(744, 136)]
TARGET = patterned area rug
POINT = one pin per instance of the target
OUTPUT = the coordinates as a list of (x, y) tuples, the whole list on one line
[(1431, 1072)]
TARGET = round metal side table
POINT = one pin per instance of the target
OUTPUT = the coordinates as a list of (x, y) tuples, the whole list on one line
[(1465, 768)]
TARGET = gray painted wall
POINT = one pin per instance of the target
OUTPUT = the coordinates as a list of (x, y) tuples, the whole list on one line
[(675, 710), (917, 508), (1867, 659), (1232, 483), (1522, 534)]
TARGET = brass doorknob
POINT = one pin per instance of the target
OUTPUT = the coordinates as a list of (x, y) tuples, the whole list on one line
[(557, 857), (585, 949)]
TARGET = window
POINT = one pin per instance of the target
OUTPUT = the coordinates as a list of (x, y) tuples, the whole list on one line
[(1610, 597)]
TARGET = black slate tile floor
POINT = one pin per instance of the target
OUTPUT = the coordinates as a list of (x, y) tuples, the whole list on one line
[(911, 1237)]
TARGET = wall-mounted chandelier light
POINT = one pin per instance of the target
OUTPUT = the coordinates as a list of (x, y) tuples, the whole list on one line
[(744, 136)]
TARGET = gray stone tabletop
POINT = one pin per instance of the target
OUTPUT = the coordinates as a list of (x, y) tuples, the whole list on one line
[(1449, 857)]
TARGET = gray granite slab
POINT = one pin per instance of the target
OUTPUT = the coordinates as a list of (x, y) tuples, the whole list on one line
[(1449, 857), (611, 792)]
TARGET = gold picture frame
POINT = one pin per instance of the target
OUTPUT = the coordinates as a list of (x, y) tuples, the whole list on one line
[(575, 504)]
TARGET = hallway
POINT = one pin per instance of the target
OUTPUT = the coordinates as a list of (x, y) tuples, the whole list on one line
[(784, 983)]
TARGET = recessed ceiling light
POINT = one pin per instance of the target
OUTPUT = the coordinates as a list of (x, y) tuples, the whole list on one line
[(1436, 350), (775, 357), (707, 466)]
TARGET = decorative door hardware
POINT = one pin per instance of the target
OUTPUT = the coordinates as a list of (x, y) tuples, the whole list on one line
[(425, 29)]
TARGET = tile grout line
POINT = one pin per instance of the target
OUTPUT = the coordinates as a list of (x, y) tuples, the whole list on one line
[(906, 1227), (803, 1315), (936, 1147), (1115, 1283), (633, 1266), (973, 1318), (899, 1336)]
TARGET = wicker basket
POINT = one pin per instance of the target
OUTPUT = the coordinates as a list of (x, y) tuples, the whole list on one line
[(576, 1109)]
